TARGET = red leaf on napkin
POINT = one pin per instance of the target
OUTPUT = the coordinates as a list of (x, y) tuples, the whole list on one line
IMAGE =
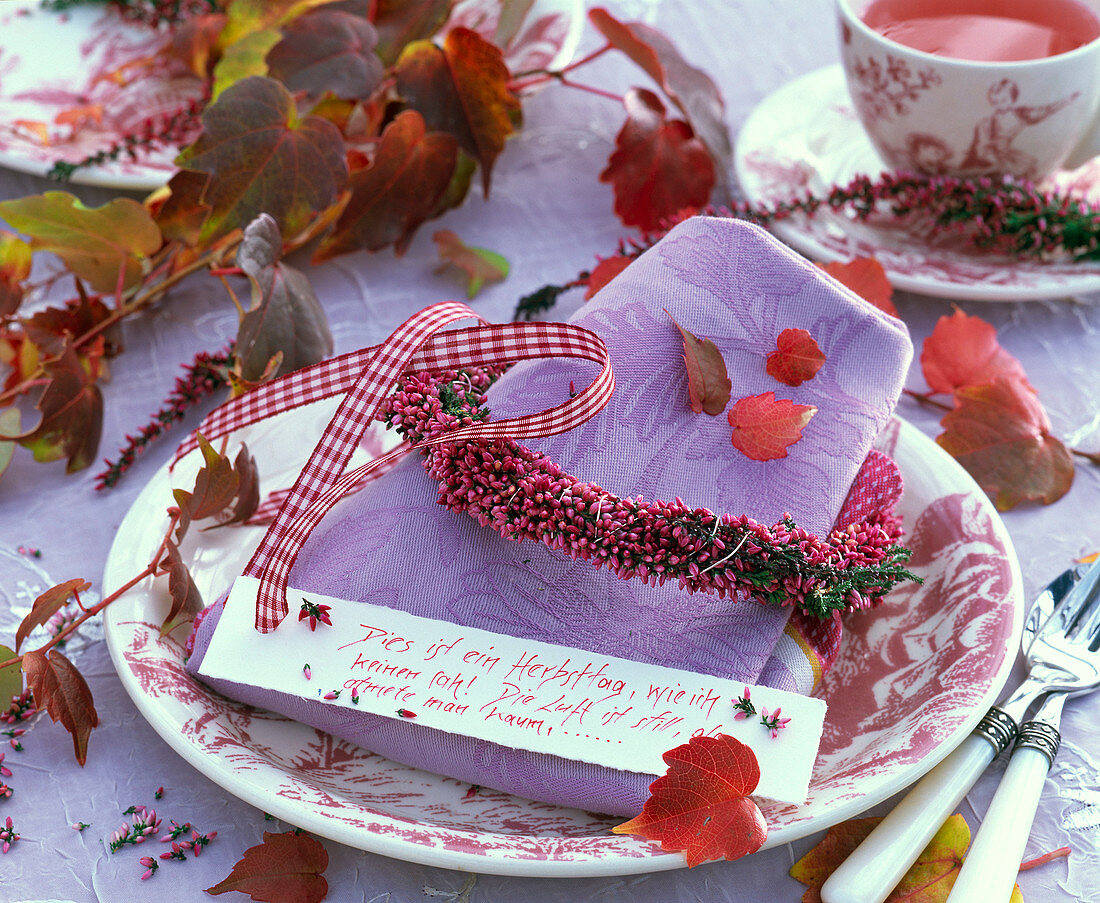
[(285, 868), (701, 805), (61, 690), (964, 351), (866, 277), (929, 880), (796, 359), (1000, 433), (708, 381), (764, 426), (659, 166), (604, 271)]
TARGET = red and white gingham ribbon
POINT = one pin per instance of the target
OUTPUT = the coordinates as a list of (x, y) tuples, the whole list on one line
[(417, 345)]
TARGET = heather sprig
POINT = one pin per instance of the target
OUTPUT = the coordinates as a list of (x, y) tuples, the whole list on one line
[(201, 378), (144, 825), (524, 495)]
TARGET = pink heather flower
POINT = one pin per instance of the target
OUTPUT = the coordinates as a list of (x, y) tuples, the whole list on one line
[(743, 706), (4, 770), (5, 791), (307, 672), (773, 722), (315, 612), (151, 866), (332, 694), (79, 826), (7, 835)]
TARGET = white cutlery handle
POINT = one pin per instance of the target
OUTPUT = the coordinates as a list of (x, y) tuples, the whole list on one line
[(991, 866), (876, 866)]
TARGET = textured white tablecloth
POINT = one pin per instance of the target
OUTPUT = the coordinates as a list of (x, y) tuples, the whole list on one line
[(549, 216)]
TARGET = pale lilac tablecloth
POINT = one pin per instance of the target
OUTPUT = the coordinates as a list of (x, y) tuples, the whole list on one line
[(549, 216)]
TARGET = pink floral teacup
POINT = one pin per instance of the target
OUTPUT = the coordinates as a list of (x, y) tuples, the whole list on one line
[(962, 115)]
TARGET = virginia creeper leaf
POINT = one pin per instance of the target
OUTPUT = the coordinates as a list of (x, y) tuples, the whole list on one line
[(11, 679), (479, 264), (401, 22), (193, 40), (327, 50), (411, 171), (94, 242), (9, 426), (964, 351), (15, 266), (797, 357), (72, 415), (285, 316), (1000, 433), (185, 596), (708, 380), (691, 90), (62, 691), (216, 486), (659, 167), (285, 868), (47, 605), (262, 158), (183, 212), (867, 278), (604, 271), (701, 805), (243, 59), (51, 327), (462, 89), (764, 426), (929, 880)]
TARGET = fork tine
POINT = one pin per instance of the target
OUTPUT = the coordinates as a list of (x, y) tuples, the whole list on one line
[(1078, 604)]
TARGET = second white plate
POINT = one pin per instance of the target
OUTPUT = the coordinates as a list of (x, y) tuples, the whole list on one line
[(805, 137)]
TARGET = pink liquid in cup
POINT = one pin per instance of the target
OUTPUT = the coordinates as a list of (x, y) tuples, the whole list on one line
[(985, 30)]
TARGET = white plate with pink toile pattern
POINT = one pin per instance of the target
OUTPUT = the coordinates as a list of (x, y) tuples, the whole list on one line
[(912, 679), (102, 81), (805, 137)]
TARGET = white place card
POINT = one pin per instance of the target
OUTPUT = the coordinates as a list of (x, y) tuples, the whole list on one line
[(521, 693)]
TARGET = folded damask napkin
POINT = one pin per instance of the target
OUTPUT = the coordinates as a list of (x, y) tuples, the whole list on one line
[(393, 545)]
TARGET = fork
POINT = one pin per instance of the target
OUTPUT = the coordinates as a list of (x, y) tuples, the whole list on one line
[(879, 863), (1067, 652)]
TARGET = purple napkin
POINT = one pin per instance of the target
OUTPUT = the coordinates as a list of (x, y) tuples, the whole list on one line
[(393, 545)]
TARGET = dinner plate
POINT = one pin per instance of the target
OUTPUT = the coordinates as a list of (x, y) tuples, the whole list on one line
[(806, 137), (912, 679), (94, 84)]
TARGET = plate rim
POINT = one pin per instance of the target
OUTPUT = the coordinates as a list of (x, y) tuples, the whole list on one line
[(790, 233), (120, 566)]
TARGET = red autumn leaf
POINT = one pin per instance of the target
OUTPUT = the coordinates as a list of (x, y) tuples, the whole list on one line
[(797, 357), (479, 264), (708, 381), (52, 327), (61, 690), (866, 277), (183, 212), (400, 22), (963, 351), (411, 172), (604, 271), (701, 805), (929, 880), (1000, 433), (186, 598), (461, 89), (228, 492), (284, 316), (262, 158), (764, 426), (327, 50), (659, 167), (285, 868), (193, 41), (72, 414), (47, 605), (690, 89)]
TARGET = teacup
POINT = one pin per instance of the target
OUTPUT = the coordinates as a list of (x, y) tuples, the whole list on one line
[(964, 115)]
